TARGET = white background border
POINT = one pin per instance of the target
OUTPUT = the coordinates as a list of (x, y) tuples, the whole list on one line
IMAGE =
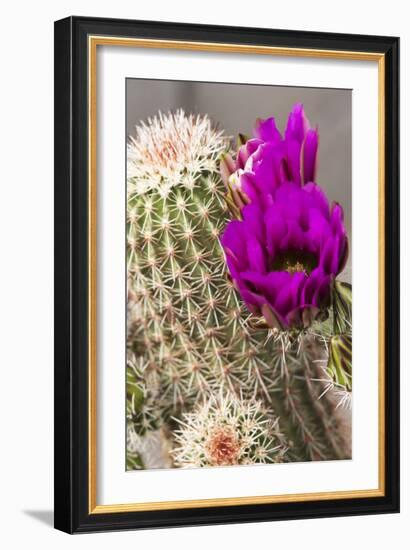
[(114, 485)]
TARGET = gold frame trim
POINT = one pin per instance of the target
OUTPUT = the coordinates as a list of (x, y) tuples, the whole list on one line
[(93, 42)]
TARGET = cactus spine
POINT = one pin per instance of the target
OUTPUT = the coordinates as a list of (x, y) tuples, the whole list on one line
[(228, 431)]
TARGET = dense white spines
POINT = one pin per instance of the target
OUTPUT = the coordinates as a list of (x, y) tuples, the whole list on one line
[(227, 431), (172, 149)]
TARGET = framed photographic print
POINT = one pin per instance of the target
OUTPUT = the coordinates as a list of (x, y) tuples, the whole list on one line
[(226, 274)]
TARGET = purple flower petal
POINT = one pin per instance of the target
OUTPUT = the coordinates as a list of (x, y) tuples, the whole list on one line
[(321, 297), (233, 241), (285, 301), (344, 253), (289, 245), (266, 130), (246, 150), (254, 302), (275, 230), (265, 168), (268, 285), (249, 187), (253, 220), (294, 238), (317, 198), (293, 155), (313, 281), (319, 230), (272, 317), (256, 256), (329, 257), (310, 147), (297, 124), (336, 219)]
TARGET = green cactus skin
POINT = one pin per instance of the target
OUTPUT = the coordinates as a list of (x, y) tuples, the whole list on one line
[(190, 326), (189, 334), (306, 401)]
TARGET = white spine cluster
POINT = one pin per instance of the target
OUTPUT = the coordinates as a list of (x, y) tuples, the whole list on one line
[(172, 149), (227, 431)]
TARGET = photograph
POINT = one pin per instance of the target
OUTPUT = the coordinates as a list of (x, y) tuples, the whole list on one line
[(239, 274), (227, 274), (205, 295)]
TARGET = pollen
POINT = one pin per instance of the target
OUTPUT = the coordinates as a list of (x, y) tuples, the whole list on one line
[(297, 267)]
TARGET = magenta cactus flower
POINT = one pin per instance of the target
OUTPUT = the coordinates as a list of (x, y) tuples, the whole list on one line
[(288, 244), (267, 160)]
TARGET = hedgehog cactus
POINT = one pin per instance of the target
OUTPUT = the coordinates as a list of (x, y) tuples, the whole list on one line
[(190, 335), (187, 327)]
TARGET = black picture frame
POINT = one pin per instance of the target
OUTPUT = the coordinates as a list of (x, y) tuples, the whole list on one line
[(71, 418)]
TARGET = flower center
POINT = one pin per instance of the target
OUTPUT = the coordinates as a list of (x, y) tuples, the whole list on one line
[(297, 261), (223, 446), (295, 268)]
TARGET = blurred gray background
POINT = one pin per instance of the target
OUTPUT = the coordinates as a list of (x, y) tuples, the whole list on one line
[(235, 107)]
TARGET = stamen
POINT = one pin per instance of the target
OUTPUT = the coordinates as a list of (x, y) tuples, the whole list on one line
[(298, 267)]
